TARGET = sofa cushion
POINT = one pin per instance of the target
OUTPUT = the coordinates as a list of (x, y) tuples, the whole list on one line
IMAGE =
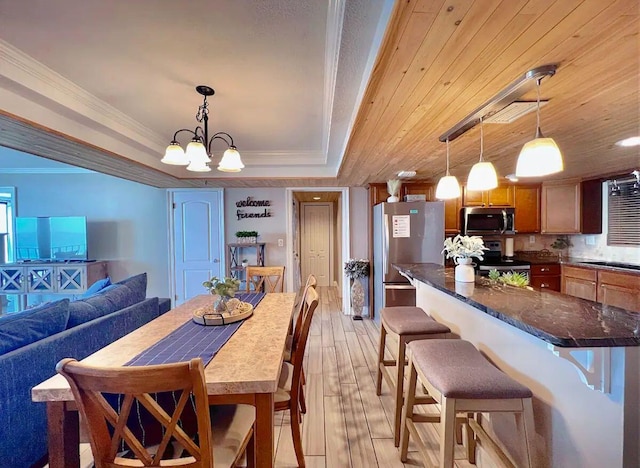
[(23, 328), (96, 287), (112, 298), (138, 286)]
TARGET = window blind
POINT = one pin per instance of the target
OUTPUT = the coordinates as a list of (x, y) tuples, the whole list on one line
[(624, 217)]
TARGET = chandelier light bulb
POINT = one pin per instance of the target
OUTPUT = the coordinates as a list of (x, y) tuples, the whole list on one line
[(174, 155), (196, 152), (231, 161), (195, 166)]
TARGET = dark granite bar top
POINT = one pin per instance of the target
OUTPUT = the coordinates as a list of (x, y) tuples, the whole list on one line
[(556, 318)]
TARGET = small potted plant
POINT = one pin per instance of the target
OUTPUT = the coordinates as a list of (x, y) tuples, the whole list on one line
[(244, 263), (462, 249), (354, 270), (224, 289)]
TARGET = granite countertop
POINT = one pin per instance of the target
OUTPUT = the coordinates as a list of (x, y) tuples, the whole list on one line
[(583, 263), (556, 318)]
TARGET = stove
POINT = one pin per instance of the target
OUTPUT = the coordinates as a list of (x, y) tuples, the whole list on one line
[(493, 260)]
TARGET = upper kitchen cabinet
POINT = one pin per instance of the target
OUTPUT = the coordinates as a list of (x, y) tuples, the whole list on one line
[(527, 205), (499, 196), (572, 207), (418, 188), (452, 216)]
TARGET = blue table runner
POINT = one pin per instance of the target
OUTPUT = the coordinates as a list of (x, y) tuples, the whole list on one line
[(192, 340)]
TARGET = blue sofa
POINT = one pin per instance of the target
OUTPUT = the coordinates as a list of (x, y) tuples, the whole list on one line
[(30, 348)]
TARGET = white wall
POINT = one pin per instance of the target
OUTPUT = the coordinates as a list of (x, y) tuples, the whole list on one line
[(126, 221)]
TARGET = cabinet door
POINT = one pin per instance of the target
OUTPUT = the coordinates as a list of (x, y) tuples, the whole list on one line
[(41, 279), (527, 205), (72, 279), (12, 280), (452, 216), (579, 287), (501, 196), (546, 282), (561, 208), (619, 296), (378, 193), (474, 198), (419, 188)]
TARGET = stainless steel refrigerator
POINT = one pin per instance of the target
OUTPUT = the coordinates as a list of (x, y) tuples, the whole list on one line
[(411, 232)]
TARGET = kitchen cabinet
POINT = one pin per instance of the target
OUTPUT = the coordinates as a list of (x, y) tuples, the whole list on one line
[(527, 205), (571, 207), (579, 282), (418, 188), (546, 276), (619, 289), (499, 196), (452, 217)]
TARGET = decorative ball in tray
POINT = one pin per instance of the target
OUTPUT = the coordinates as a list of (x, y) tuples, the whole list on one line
[(236, 311)]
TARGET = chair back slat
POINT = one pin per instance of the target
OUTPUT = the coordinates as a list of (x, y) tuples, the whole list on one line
[(110, 399), (298, 317), (265, 279), (309, 305)]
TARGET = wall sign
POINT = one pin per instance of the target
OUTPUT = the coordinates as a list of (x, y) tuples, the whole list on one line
[(251, 203)]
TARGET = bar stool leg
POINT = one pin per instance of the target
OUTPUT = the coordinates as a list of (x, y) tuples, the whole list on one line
[(447, 431), (399, 388), (471, 441), (383, 339), (407, 414), (529, 432)]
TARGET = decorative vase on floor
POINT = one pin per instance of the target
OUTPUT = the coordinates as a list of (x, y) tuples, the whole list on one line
[(357, 299), (464, 270)]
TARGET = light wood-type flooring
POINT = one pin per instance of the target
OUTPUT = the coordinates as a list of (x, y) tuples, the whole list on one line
[(346, 424)]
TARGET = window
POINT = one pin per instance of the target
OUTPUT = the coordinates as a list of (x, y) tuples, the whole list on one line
[(624, 214), (6, 223)]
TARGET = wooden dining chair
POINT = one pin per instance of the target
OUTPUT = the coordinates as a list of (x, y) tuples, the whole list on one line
[(157, 416), (296, 323), (265, 279), (287, 397)]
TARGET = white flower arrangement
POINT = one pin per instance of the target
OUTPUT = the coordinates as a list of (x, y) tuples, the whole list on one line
[(393, 187), (464, 247)]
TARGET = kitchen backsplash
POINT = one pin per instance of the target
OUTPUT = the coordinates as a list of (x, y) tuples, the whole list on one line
[(601, 251)]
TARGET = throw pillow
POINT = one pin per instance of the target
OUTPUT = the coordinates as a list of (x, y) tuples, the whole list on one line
[(23, 328), (138, 286), (97, 286)]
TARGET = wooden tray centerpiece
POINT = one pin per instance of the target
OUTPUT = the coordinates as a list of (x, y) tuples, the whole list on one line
[(236, 311)]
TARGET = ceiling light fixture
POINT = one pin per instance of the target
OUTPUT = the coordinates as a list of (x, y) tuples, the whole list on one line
[(448, 186), (540, 156), (631, 141), (197, 155), (482, 175)]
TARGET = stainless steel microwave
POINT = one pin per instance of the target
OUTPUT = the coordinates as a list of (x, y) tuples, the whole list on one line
[(486, 221)]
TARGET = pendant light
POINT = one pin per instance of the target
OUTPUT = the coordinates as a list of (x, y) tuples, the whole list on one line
[(482, 175), (448, 186), (540, 156)]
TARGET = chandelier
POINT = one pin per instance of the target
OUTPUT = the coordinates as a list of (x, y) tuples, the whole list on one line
[(197, 155)]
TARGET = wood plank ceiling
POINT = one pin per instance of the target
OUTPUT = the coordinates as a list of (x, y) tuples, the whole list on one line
[(438, 62), (442, 59)]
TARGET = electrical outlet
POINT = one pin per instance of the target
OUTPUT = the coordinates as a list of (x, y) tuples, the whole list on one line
[(532, 239), (280, 242), (590, 240)]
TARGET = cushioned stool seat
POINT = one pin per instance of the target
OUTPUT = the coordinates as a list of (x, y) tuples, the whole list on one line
[(405, 324), (461, 380)]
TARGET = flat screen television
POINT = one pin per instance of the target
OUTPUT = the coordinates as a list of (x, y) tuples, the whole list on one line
[(53, 238)]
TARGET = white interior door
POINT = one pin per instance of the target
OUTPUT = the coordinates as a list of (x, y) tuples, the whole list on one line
[(317, 241), (198, 229)]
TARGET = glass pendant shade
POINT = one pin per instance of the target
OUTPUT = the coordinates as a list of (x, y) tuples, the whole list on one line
[(230, 161), (196, 152), (539, 157), (174, 155), (448, 187), (482, 177), (197, 166)]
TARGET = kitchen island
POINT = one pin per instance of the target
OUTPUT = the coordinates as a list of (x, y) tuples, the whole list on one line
[(581, 359)]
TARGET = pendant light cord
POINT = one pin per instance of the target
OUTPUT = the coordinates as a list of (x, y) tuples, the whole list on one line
[(481, 139), (538, 106), (447, 156)]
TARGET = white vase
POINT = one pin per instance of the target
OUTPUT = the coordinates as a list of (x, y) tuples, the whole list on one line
[(464, 271), (392, 199)]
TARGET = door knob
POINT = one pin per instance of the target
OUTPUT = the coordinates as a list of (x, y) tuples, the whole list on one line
[(216, 260)]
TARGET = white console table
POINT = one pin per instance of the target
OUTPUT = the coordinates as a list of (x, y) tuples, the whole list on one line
[(50, 277)]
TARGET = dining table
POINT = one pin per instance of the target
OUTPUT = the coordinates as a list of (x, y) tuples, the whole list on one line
[(245, 370)]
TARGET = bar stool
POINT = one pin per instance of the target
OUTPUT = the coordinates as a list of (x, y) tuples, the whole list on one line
[(405, 324), (461, 380)]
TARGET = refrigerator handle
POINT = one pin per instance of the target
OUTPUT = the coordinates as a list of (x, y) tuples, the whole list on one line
[(385, 245)]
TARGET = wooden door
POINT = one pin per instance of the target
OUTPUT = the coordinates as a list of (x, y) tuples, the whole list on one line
[(561, 208), (619, 289), (578, 287), (452, 216), (198, 240), (527, 205), (317, 239)]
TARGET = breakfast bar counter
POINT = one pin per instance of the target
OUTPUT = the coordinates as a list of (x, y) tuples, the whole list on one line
[(581, 360)]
